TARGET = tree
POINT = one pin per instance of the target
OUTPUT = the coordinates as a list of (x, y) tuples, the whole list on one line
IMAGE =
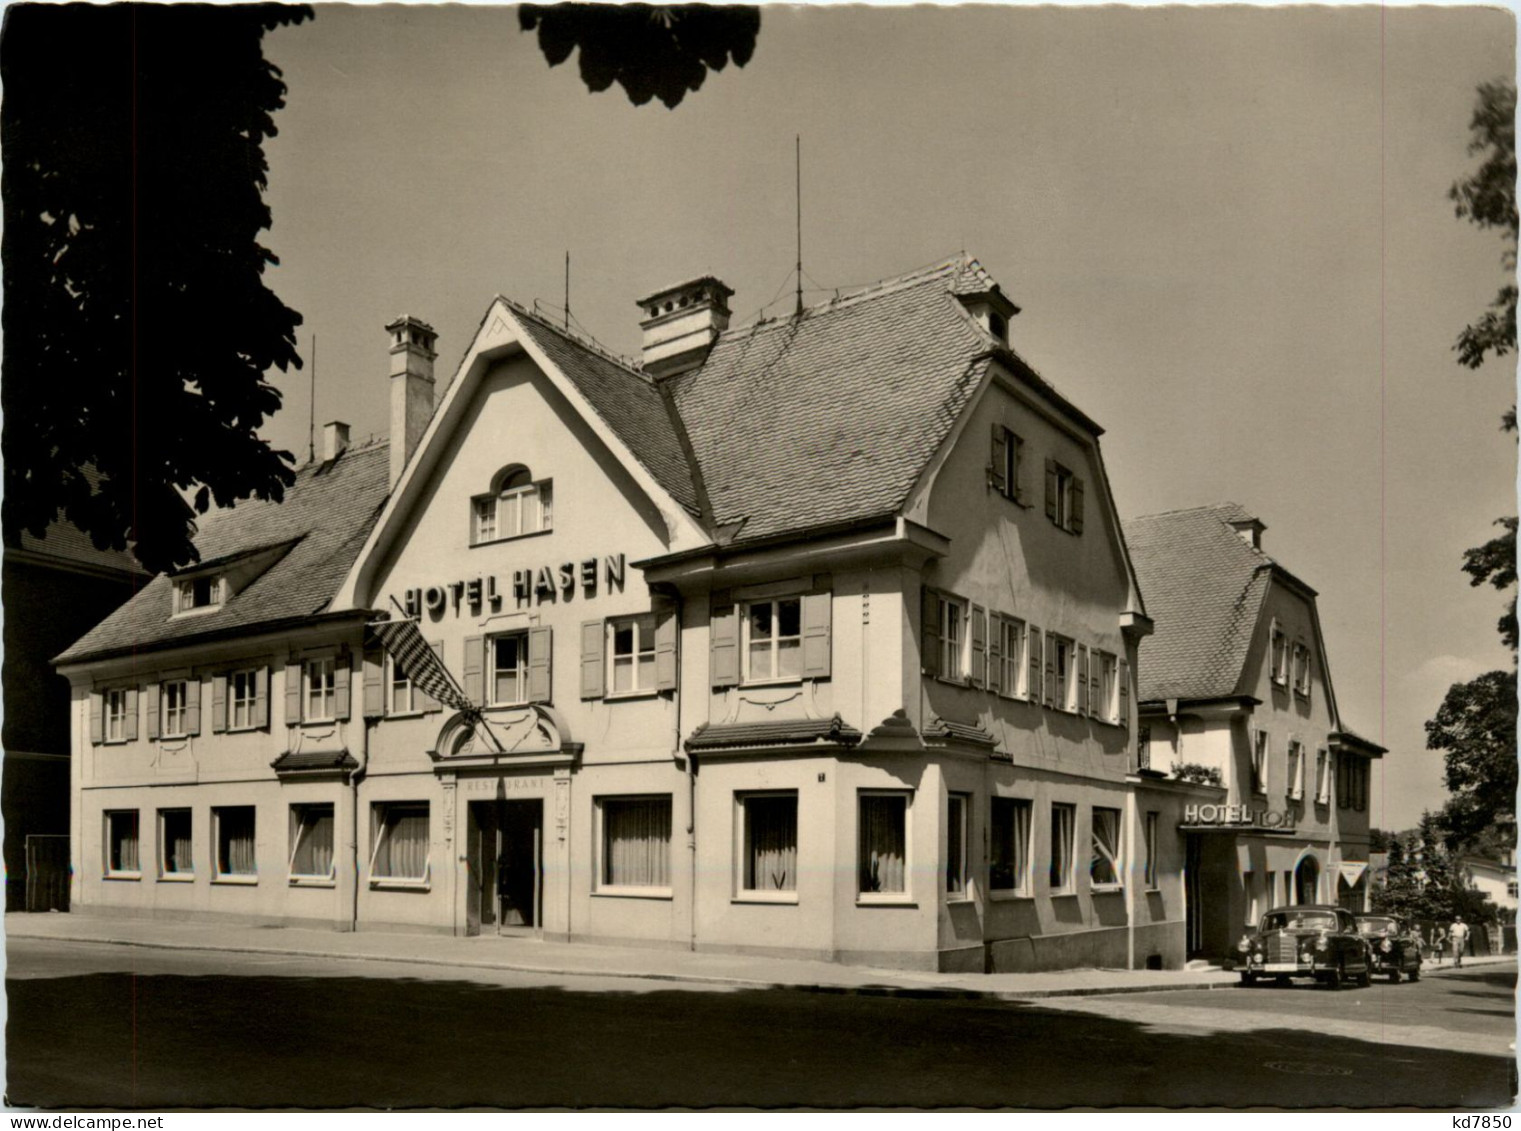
[(138, 328), (1425, 883), (1487, 198), (1476, 727), (650, 51)]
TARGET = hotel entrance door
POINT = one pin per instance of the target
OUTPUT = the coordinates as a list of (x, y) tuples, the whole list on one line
[(506, 866)]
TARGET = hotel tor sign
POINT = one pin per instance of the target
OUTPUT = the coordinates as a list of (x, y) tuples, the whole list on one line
[(524, 587), (1238, 816)]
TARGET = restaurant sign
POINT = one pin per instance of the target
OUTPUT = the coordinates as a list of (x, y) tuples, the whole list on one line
[(1242, 815)]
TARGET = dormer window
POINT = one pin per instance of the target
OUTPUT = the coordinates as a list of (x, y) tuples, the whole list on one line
[(516, 505), (198, 594)]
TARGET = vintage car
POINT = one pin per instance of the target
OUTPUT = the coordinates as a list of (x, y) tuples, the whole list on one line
[(1307, 941), (1392, 948)]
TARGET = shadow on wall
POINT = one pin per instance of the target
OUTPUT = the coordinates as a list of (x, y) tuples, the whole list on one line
[(163, 1041)]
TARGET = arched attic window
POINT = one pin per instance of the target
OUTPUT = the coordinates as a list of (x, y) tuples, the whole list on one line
[(516, 505)]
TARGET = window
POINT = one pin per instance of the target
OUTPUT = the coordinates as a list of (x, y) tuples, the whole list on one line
[(1063, 832), (631, 652), (1343, 787), (1009, 849), (311, 842), (1296, 769), (320, 685), (1357, 776), (1153, 863), (1104, 867), (244, 693), (1011, 650), (1511, 888), (1064, 497), (1322, 776), (197, 593), (882, 848), (233, 831), (176, 709), (516, 506), (1008, 453), (121, 843), (1143, 747), (955, 845), (404, 698), (1108, 707), (1280, 672), (176, 859), (1253, 900), (509, 669), (1064, 694), (116, 714), (768, 835), (1301, 670), (635, 856), (952, 617), (1259, 761), (401, 842)]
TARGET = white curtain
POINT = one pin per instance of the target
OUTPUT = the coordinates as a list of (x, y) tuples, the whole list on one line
[(771, 830), (1010, 863), (403, 850), (124, 842), (883, 842), (235, 842), (1104, 868), (177, 856), (314, 844), (636, 835), (1062, 827)]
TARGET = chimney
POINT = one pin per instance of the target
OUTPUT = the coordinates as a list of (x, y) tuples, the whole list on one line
[(335, 440), (412, 358), (681, 324), (1250, 530)]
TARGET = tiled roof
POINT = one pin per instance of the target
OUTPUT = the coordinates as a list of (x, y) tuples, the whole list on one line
[(773, 732), (327, 513), (628, 401), (831, 417), (309, 762), (1204, 587), (66, 542), (943, 729)]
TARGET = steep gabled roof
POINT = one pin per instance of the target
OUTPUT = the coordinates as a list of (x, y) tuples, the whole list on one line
[(324, 519), (1204, 586), (830, 417)]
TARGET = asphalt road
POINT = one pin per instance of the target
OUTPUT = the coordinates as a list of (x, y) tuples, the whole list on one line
[(93, 1026)]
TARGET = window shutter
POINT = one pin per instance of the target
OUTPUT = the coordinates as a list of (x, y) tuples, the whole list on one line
[(152, 710), (97, 721), (1077, 505), (1096, 705), (129, 727), (540, 655), (1000, 458), (1033, 641), (593, 662), (995, 652), (475, 660), (1124, 678), (1017, 488), (1082, 678), (218, 703), (1051, 489), (292, 692), (342, 707), (929, 631), (431, 705), (374, 684), (1050, 695), (723, 646), (261, 697), (818, 613), (193, 704), (667, 629), (977, 676)]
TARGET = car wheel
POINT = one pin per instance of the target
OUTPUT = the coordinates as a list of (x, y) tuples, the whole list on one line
[(1337, 975), (1415, 974), (1394, 976), (1248, 978), (1366, 977)]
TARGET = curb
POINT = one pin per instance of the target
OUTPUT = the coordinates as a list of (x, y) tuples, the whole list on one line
[(960, 993)]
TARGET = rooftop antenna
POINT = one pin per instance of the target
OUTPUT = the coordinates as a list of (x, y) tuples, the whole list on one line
[(311, 416), (567, 290), (799, 153)]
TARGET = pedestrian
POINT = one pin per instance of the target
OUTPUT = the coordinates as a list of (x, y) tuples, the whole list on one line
[(1459, 936), (1438, 944)]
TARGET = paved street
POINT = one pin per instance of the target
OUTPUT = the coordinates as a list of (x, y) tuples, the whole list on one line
[(95, 1025)]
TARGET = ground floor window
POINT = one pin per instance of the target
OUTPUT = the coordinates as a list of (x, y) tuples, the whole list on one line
[(635, 854), (1153, 824), (121, 843), (234, 833), (1253, 901), (1104, 866), (883, 851), (401, 841), (769, 835), (1063, 830), (175, 856), (955, 845), (1009, 847), (311, 842)]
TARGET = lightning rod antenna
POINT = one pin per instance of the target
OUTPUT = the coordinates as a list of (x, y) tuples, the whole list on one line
[(311, 414), (799, 156), (567, 290)]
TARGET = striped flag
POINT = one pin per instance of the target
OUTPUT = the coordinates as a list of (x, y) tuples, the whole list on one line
[(404, 641)]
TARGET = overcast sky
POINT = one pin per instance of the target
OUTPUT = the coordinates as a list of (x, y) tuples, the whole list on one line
[(1228, 230)]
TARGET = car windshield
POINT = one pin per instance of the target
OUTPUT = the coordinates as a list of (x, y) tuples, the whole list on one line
[(1299, 920), (1377, 926)]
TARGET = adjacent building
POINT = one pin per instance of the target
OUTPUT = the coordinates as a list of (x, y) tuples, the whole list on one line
[(1235, 692)]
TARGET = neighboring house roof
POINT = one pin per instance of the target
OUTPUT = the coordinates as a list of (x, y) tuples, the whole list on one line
[(1204, 587), (324, 519), (68, 545)]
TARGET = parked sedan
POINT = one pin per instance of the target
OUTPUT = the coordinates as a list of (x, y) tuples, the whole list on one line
[(1308, 941), (1392, 949)]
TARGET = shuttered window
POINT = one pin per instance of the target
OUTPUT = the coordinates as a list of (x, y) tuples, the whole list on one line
[(320, 690), (176, 713), (631, 655), (1064, 497), (1004, 466), (507, 658), (773, 640)]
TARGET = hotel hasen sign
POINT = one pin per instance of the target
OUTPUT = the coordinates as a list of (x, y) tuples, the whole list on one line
[(530, 586)]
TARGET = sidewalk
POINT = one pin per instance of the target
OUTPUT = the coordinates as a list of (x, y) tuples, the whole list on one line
[(533, 956)]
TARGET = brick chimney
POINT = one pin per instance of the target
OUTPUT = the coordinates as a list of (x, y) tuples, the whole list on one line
[(412, 357), (335, 440), (681, 324)]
